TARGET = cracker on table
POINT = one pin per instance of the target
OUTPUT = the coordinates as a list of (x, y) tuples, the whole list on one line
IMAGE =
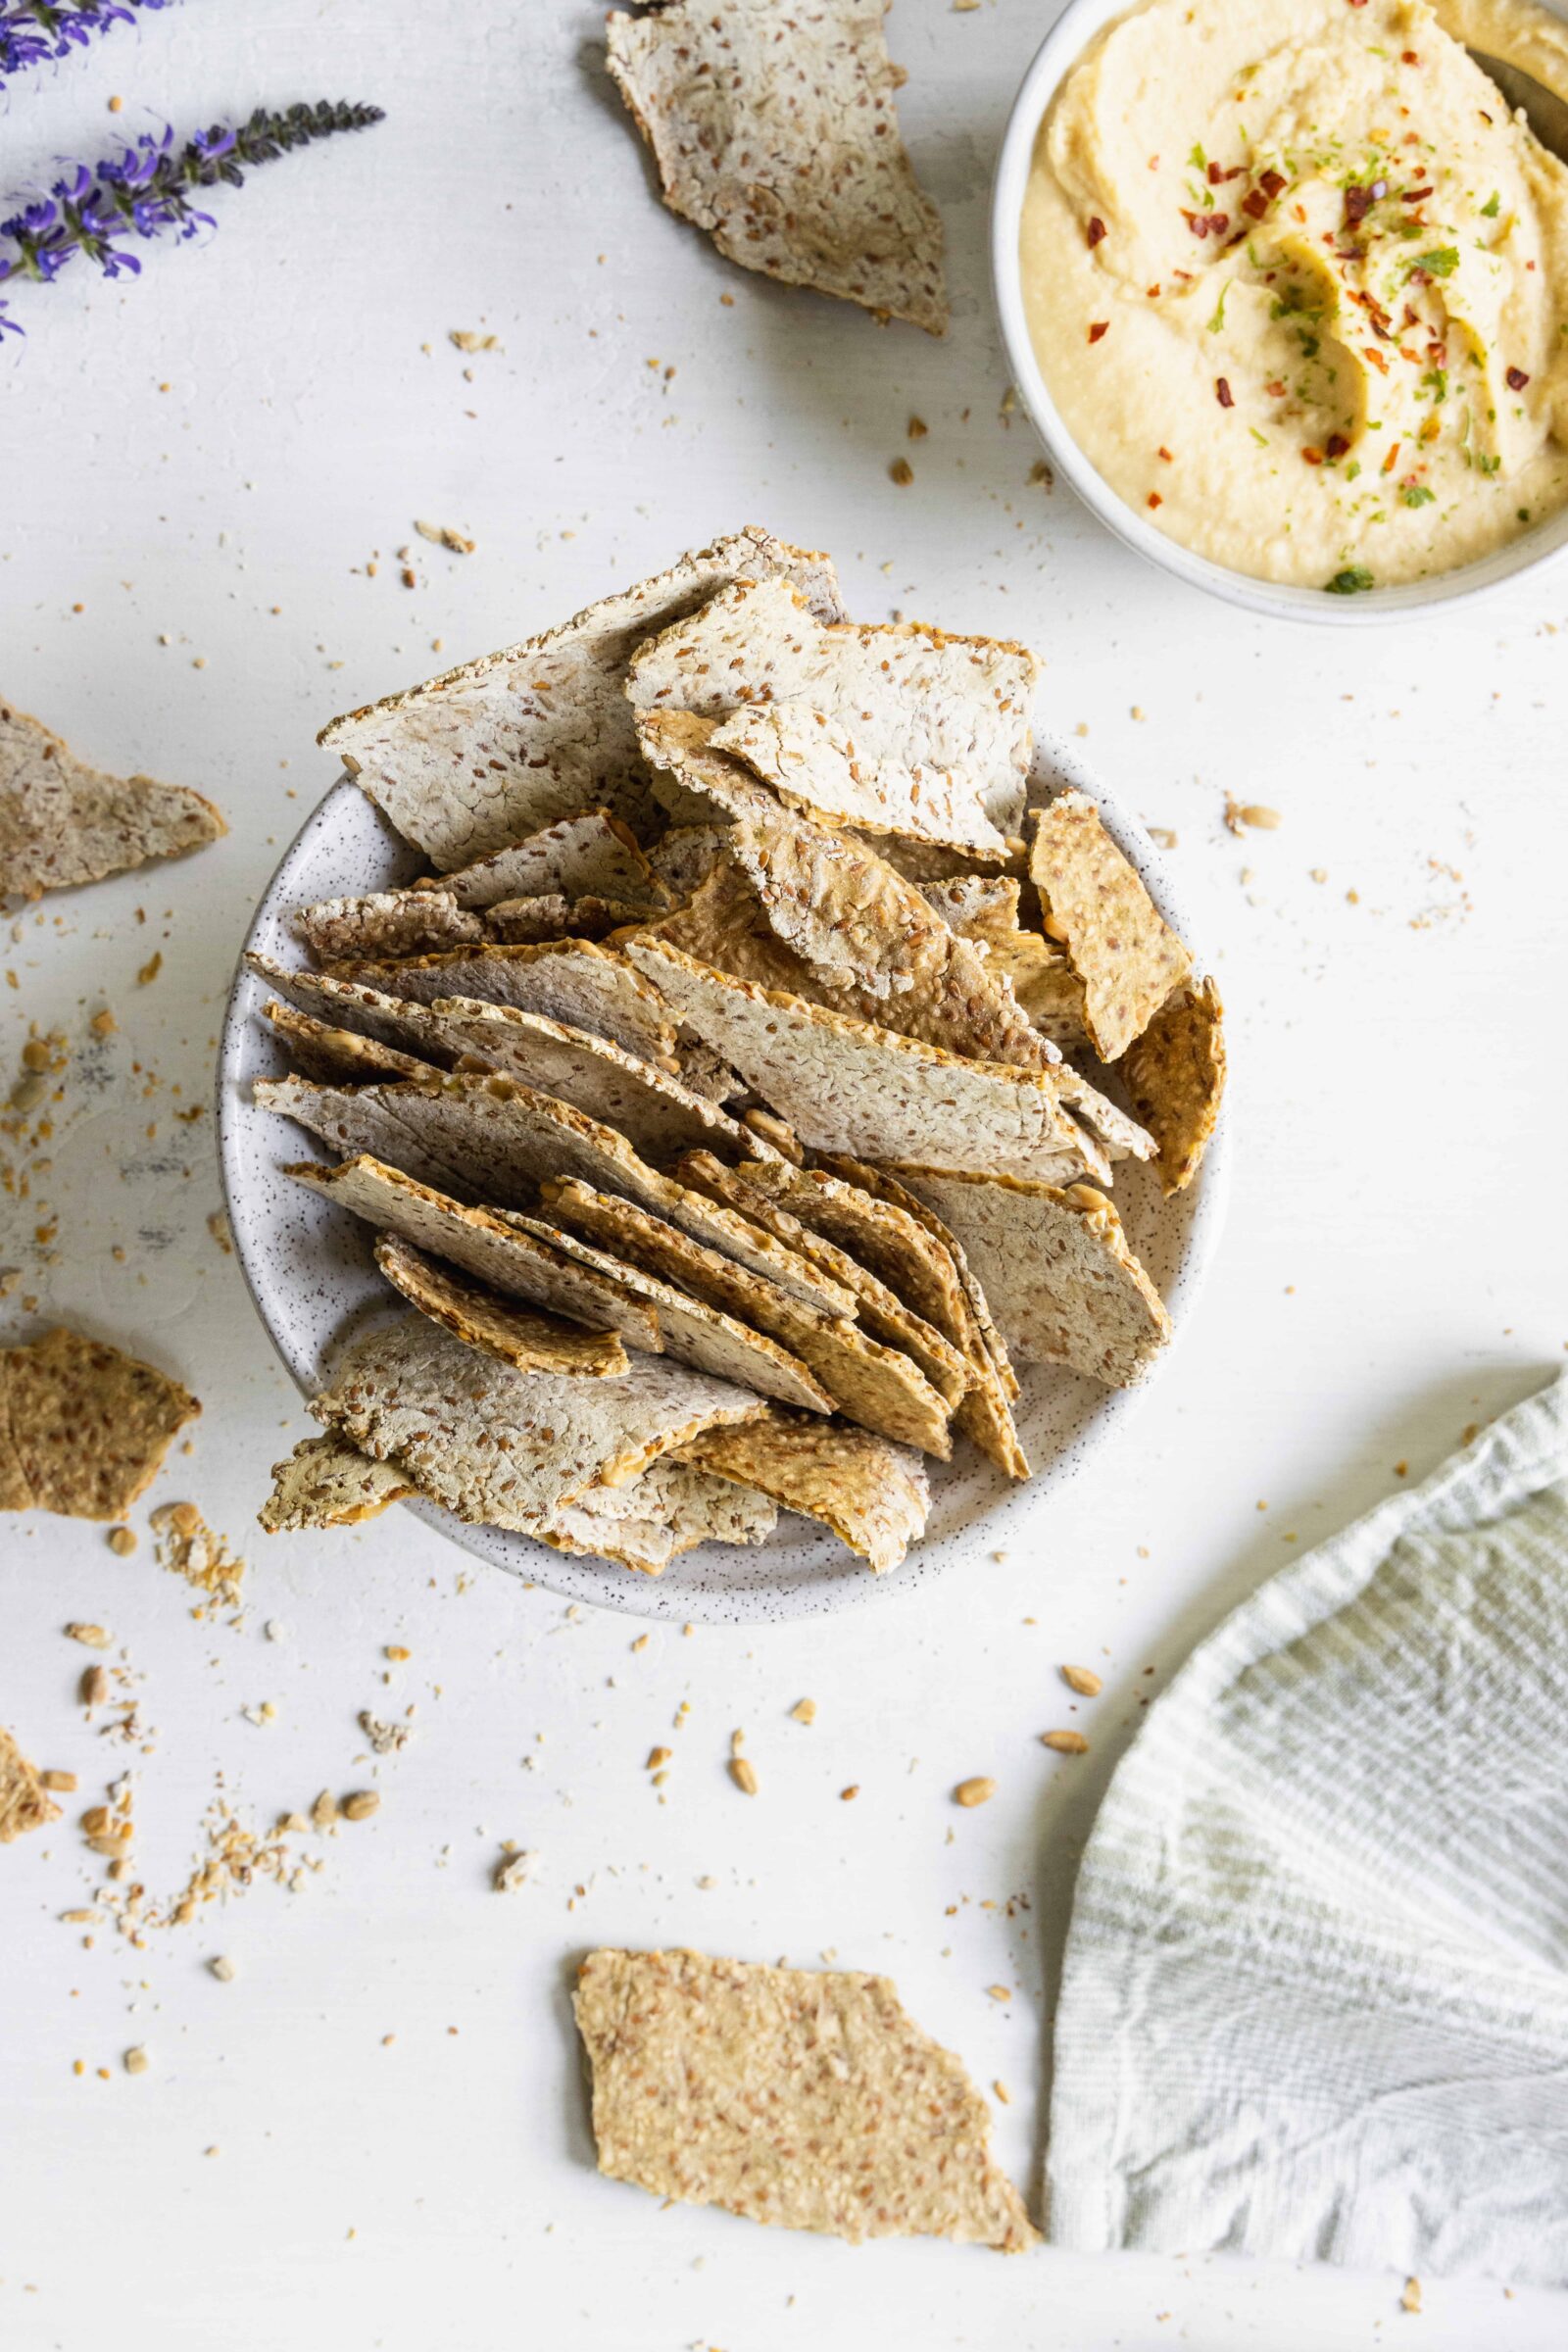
[(83, 1428), (63, 823), (23, 1804)]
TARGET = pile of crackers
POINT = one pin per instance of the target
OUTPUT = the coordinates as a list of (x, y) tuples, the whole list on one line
[(735, 1099)]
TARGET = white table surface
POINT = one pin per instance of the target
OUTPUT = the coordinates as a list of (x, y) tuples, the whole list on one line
[(196, 467)]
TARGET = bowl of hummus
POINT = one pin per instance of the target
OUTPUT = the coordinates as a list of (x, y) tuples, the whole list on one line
[(1283, 286)]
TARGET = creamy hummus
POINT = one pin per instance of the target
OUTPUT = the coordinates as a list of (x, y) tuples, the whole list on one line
[(1299, 281)]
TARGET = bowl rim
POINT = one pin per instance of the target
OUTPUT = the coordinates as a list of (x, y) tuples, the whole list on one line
[(599, 1583), (1273, 600)]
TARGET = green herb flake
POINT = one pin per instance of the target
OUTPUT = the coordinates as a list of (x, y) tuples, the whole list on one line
[(1442, 262), (1218, 319), (1418, 494), (1353, 580), (1488, 211), (1198, 158)]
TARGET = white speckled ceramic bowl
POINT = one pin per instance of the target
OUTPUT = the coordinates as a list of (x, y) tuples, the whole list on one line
[(311, 1273), (1054, 59)]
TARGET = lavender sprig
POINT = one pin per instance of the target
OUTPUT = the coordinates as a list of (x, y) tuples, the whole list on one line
[(31, 32), (147, 189)]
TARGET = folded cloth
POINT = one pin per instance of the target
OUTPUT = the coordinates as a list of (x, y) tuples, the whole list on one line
[(1314, 2002)]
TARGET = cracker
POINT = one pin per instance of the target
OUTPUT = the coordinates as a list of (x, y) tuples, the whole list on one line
[(83, 1428), (1093, 902), (575, 981), (887, 1241), (63, 823), (493, 1139), (668, 1510), (985, 909), (782, 142), (490, 752), (592, 854), (985, 1413), (529, 922), (23, 1804), (872, 1494), (394, 1021), (1176, 1075), (525, 1337), (506, 1449), (317, 1050), (879, 1309), (893, 727), (657, 1114), (873, 1385), (703, 1072), (847, 1085), (326, 1483), (683, 855), (1057, 1272), (387, 922), (693, 1331), (483, 1244)]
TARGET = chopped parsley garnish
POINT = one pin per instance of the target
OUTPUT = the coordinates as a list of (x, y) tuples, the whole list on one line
[(1418, 494), (1488, 211), (1218, 319), (1352, 469), (1198, 158), (1489, 464), (1353, 580), (1442, 262), (1437, 381)]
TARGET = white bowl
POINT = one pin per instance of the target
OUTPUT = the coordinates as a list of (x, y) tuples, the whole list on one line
[(311, 1273), (1053, 60)]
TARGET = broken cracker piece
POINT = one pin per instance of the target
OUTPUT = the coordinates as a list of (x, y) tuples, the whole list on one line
[(1093, 902), (63, 823), (23, 1803), (1175, 1074), (524, 1337), (573, 980), (326, 1483), (83, 1428), (786, 149), (805, 2098), (872, 1494)]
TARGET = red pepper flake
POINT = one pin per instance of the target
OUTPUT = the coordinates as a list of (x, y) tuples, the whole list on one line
[(1271, 183), (1152, 292), (1096, 230), (1215, 174), (1299, 210), (1100, 328), (1218, 223), (1370, 350), (1276, 390), (1336, 445), (1164, 453), (1206, 224), (1223, 393), (1313, 456), (1391, 460), (1255, 204), (1516, 379), (1155, 499), (1409, 56), (1417, 195)]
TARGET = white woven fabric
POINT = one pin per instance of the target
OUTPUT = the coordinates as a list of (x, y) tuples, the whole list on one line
[(1315, 1994)]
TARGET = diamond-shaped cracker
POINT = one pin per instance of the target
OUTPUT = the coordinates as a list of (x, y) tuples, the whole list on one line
[(781, 140)]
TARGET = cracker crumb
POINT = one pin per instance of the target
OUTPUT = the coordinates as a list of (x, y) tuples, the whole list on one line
[(743, 1772), (95, 1637), (902, 472), (1000, 1992), (918, 428), (514, 1869), (150, 970), (223, 1968), (803, 1710), (385, 1738), (1410, 2300), (122, 1539), (361, 1805), (136, 2061), (442, 534)]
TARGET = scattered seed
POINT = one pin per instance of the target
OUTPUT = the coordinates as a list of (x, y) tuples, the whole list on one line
[(1083, 1680), (918, 428), (94, 1687), (94, 1636), (136, 2061), (848, 1796), (397, 1654), (1261, 819), (1410, 2300), (63, 1783), (1002, 2092), (122, 1540), (1000, 1992), (902, 472), (658, 1757), (743, 1772), (362, 1804), (978, 1792), (224, 1969), (1065, 1744)]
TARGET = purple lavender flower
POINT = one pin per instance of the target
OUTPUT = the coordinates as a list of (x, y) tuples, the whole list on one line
[(31, 32), (145, 189)]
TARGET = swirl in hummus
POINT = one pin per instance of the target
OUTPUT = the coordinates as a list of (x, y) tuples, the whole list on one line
[(1299, 281)]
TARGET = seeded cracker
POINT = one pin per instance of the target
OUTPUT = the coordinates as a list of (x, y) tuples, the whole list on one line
[(490, 752), (589, 853), (575, 981), (316, 1050), (23, 1803), (873, 1496), (804, 2098), (668, 1510), (877, 1385), (84, 1430), (495, 1140), (506, 1448), (64, 823), (484, 1243), (393, 1021), (781, 140), (520, 1335), (387, 922), (325, 1483), (847, 1085), (1175, 1073), (1059, 1277), (894, 727), (1093, 902)]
